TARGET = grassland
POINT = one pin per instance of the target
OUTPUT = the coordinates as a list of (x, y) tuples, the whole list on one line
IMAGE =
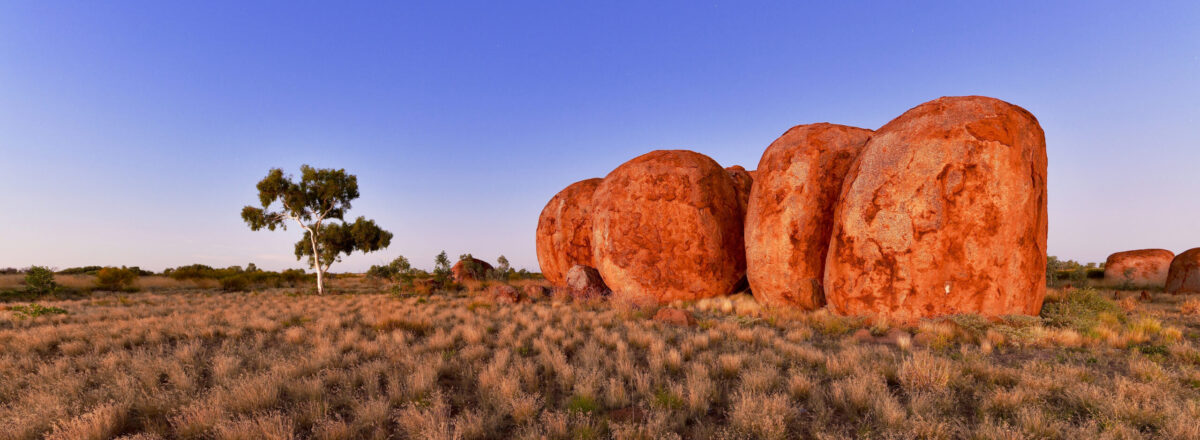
[(196, 363)]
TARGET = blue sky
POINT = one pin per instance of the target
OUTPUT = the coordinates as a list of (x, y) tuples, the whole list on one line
[(132, 133)]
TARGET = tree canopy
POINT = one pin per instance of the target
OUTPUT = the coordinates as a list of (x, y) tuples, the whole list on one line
[(318, 203)]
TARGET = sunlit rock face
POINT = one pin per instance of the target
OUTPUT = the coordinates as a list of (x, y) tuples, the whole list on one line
[(790, 212), (1184, 273), (944, 212), (667, 225), (1143, 267), (564, 231)]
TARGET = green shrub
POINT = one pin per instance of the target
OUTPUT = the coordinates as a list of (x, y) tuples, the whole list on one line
[(85, 270), (235, 283), (1080, 309), (113, 278), (40, 280), (35, 310)]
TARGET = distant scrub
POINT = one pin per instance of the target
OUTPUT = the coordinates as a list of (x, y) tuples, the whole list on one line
[(93, 270), (235, 278), (114, 278)]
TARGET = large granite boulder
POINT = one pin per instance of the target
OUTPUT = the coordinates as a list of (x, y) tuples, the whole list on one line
[(944, 212), (564, 231), (1184, 273), (790, 213), (667, 225), (1144, 267)]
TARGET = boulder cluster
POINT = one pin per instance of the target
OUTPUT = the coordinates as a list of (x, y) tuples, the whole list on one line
[(940, 211), (1155, 269)]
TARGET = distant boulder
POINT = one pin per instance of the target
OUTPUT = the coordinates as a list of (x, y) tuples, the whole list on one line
[(667, 225), (944, 212), (1144, 267), (585, 282), (564, 231), (470, 269), (790, 213), (1184, 273)]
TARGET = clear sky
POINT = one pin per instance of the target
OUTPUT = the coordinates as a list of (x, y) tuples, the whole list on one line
[(132, 133)]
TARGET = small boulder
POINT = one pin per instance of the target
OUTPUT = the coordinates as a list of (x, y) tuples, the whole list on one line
[(471, 269), (676, 317), (504, 294), (584, 282), (1184, 274), (1145, 267)]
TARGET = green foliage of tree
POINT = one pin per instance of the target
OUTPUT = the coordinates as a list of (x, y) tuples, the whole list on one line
[(318, 203), (40, 280), (399, 270), (441, 268)]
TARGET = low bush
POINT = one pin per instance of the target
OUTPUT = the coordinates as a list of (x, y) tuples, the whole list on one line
[(35, 310), (40, 280), (113, 278), (1080, 309)]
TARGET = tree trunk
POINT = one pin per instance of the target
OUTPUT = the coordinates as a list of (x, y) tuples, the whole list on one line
[(320, 270), (320, 279)]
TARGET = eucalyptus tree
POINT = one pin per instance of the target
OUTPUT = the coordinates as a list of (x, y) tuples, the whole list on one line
[(318, 204)]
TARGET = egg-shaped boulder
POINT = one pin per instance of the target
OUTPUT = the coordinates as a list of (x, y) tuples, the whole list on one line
[(1183, 276), (564, 231), (667, 226), (1143, 267), (944, 212), (790, 213)]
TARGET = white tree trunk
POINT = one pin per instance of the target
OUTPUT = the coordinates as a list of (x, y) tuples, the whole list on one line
[(317, 267)]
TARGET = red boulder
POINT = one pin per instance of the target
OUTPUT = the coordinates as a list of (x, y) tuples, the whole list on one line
[(790, 216), (667, 226), (1184, 273), (470, 269), (1141, 267), (564, 231), (944, 212)]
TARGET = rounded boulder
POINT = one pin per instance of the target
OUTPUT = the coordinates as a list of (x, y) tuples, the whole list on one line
[(944, 212), (667, 226), (472, 269), (790, 213), (1144, 267), (1183, 276), (564, 231)]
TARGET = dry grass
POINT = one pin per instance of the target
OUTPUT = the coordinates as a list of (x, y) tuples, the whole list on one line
[(275, 365)]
